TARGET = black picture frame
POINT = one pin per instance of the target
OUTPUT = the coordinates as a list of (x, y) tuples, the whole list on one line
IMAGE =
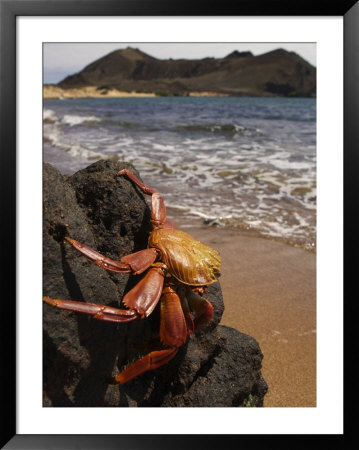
[(9, 10)]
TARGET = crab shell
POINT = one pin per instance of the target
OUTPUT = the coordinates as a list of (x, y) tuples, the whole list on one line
[(187, 259)]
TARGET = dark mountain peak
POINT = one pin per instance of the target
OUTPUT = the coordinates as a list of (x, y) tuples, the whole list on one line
[(279, 73), (280, 53), (134, 54), (123, 56), (237, 54), (284, 58)]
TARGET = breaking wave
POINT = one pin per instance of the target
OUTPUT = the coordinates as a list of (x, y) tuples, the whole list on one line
[(228, 162)]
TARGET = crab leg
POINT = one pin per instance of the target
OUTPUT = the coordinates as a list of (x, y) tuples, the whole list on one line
[(173, 333), (135, 262), (181, 291), (173, 328), (202, 308), (158, 208), (149, 362), (142, 260), (98, 259), (144, 296), (99, 312), (141, 301)]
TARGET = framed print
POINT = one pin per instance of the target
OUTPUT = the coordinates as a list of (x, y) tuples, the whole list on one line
[(36, 123)]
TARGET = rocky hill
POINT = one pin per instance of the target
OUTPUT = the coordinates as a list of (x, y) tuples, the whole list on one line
[(276, 73)]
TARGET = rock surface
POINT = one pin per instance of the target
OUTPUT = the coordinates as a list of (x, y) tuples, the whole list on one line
[(218, 366)]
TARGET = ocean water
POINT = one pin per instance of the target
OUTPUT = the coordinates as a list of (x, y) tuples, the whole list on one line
[(244, 163)]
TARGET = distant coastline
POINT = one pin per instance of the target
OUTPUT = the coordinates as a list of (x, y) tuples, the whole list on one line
[(51, 91), (132, 73)]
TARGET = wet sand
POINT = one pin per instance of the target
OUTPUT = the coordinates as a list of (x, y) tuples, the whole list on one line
[(269, 292)]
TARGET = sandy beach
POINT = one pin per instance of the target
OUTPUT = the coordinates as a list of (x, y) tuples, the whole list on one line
[(55, 92), (269, 291), (52, 91)]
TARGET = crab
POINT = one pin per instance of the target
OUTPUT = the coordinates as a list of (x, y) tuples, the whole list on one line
[(179, 270)]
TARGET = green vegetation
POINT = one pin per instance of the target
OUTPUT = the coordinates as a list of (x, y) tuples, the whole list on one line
[(103, 87), (249, 402)]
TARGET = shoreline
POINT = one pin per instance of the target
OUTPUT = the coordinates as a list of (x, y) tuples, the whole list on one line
[(269, 292), (56, 92), (189, 222)]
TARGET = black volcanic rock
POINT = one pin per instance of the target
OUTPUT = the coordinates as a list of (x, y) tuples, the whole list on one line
[(218, 366), (276, 73)]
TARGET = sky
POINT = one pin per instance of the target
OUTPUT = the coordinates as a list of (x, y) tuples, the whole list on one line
[(63, 59)]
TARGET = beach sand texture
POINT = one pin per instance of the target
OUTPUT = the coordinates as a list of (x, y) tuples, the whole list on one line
[(53, 91), (269, 291)]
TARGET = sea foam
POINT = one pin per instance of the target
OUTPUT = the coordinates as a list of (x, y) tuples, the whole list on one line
[(73, 120)]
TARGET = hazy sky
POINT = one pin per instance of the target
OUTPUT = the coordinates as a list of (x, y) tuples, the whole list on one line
[(62, 59)]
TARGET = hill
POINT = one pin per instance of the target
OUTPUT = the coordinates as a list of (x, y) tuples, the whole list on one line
[(276, 73)]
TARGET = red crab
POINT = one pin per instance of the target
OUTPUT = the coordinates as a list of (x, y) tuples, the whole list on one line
[(179, 268)]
